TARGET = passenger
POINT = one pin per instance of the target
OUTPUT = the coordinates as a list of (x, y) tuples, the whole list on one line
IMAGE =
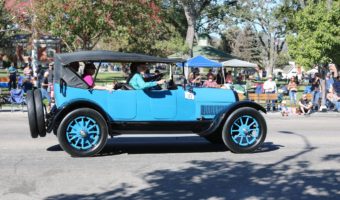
[(89, 71), (136, 77), (211, 82)]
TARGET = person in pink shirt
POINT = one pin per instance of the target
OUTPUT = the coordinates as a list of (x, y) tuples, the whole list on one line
[(211, 82), (89, 71)]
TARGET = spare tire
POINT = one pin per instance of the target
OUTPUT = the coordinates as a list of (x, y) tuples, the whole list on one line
[(40, 115), (32, 121)]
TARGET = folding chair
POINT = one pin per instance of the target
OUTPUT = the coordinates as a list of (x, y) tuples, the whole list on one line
[(17, 98)]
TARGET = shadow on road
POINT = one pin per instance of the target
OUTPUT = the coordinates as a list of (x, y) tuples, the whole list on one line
[(225, 179), (160, 145)]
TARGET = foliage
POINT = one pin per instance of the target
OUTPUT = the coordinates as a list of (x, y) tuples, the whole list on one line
[(317, 36), (260, 14), (79, 23), (5, 24), (243, 43), (153, 33), (133, 26), (282, 60)]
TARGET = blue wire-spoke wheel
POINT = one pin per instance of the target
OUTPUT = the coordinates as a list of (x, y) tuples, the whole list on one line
[(83, 133), (245, 130)]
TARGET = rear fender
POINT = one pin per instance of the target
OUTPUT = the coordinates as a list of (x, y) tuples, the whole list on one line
[(57, 115), (223, 115)]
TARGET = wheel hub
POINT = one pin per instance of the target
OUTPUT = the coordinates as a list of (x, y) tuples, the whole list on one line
[(83, 133)]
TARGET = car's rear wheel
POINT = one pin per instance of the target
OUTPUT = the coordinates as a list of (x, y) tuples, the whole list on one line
[(244, 131), (32, 119), (40, 115), (83, 132)]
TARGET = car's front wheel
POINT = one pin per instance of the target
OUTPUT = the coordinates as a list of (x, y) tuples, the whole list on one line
[(244, 131), (83, 132)]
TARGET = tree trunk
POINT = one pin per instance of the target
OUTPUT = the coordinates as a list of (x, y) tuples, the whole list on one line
[(323, 81), (329, 4), (191, 19), (302, 3)]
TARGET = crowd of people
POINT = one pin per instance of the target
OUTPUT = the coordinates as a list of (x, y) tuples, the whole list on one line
[(311, 99), (140, 78), (41, 78)]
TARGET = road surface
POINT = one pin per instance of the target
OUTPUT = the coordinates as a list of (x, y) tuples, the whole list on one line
[(300, 159)]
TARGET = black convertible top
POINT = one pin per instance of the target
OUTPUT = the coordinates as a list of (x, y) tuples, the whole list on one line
[(109, 56), (63, 73)]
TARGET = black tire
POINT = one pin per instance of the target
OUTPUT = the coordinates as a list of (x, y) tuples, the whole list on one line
[(40, 115), (70, 145), (258, 128), (215, 137), (32, 120)]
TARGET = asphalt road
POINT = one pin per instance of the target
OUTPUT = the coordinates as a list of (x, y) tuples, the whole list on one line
[(299, 160)]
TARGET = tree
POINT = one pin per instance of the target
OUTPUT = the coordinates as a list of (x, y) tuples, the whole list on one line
[(243, 43), (152, 32), (192, 10), (5, 24), (202, 16), (261, 14), (79, 23), (316, 38)]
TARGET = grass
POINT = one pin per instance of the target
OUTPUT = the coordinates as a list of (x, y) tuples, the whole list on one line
[(109, 77)]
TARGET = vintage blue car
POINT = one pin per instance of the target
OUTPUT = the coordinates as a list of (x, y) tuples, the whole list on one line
[(83, 117)]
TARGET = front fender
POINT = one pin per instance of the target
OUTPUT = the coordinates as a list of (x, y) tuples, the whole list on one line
[(223, 115)]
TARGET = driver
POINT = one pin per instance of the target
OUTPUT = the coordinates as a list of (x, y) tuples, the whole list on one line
[(136, 78)]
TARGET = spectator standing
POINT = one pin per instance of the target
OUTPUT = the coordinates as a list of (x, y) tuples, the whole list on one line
[(50, 89), (315, 88), (27, 72), (269, 87), (305, 105), (40, 76), (12, 75), (329, 81), (44, 87), (292, 88), (336, 85)]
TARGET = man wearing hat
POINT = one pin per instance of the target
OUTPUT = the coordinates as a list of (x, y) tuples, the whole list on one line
[(269, 87)]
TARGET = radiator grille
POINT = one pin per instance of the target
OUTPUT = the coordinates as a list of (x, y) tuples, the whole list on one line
[(211, 110)]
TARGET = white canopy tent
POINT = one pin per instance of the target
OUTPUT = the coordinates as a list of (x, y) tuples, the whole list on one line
[(238, 63)]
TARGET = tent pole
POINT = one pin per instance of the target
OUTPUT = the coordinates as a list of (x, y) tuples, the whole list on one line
[(223, 74)]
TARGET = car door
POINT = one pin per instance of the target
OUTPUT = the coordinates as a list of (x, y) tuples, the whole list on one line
[(123, 104), (158, 104)]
